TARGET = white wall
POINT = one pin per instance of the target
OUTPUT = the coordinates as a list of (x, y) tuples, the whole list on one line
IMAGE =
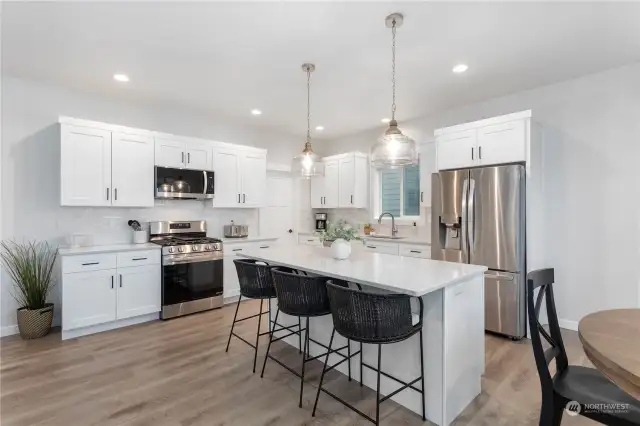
[(592, 155), (30, 168)]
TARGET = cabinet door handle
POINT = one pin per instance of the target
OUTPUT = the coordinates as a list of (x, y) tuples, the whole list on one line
[(90, 263), (107, 194), (352, 199), (372, 247), (472, 153), (121, 280), (111, 281), (415, 251), (236, 250), (422, 197), (238, 198), (264, 246), (480, 152), (139, 258), (115, 194), (182, 157), (244, 198), (188, 157)]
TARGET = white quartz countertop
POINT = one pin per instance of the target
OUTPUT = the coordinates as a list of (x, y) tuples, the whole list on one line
[(406, 275), (70, 251), (249, 239), (403, 240)]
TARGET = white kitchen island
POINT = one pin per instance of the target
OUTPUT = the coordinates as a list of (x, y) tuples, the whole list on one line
[(453, 330)]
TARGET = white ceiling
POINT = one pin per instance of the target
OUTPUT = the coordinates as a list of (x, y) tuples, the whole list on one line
[(227, 58)]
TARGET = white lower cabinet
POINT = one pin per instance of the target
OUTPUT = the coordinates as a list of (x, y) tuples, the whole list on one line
[(139, 291), (373, 245), (95, 300), (381, 247), (309, 240), (408, 250)]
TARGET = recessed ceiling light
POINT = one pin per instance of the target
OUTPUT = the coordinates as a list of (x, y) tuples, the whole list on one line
[(385, 120), (320, 128), (460, 68), (122, 78), (256, 112)]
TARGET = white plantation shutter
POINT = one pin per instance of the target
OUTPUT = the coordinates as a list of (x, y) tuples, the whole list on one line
[(411, 191), (390, 187), (400, 191)]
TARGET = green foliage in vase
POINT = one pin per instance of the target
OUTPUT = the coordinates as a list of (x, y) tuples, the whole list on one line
[(30, 266), (339, 230)]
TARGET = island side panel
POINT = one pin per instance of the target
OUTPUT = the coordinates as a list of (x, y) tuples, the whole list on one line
[(463, 349)]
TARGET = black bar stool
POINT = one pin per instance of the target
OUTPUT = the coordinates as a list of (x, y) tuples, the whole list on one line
[(301, 296), (372, 318), (255, 283)]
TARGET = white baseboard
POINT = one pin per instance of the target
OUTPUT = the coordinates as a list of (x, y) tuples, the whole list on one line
[(9, 330), (568, 324), (92, 329), (231, 296)]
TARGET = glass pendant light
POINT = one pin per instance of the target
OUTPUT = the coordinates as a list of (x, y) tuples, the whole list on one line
[(394, 149), (308, 163)]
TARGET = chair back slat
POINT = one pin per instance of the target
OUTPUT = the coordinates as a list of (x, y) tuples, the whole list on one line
[(369, 317), (542, 280)]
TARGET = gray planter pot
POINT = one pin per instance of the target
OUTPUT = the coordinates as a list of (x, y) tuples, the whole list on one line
[(35, 323)]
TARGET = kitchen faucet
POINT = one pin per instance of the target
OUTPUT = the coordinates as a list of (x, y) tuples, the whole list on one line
[(394, 230)]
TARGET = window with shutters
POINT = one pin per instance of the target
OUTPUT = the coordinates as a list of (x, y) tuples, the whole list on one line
[(399, 192)]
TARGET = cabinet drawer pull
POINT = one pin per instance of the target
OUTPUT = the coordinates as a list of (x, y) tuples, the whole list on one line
[(90, 263), (236, 250), (264, 246), (311, 241), (139, 258), (372, 247), (415, 251)]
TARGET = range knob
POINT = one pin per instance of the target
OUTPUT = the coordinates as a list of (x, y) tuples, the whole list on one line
[(180, 249), (207, 247), (195, 248), (170, 249)]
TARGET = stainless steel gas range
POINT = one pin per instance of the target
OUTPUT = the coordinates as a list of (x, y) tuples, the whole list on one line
[(191, 267)]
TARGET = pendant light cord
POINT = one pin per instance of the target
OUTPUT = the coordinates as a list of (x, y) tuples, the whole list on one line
[(393, 70), (308, 106)]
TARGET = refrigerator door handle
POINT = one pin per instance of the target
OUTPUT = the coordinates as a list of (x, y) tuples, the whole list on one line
[(465, 223), (471, 213)]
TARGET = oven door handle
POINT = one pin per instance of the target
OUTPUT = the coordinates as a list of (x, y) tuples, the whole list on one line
[(170, 262)]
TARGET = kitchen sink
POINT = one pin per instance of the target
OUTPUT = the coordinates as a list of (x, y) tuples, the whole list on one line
[(386, 237)]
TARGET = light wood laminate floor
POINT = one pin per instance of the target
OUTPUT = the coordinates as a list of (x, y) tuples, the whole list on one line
[(177, 373)]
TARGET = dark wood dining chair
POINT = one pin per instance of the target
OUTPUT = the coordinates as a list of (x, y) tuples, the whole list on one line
[(573, 387)]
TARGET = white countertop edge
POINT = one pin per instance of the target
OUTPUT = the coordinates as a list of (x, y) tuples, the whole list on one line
[(247, 240), (110, 248), (404, 240), (370, 283)]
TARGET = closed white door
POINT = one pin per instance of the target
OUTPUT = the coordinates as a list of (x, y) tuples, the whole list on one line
[(427, 167), (457, 150), (132, 170), (254, 177), (199, 156), (347, 182), (170, 153), (317, 192), (85, 166), (331, 184), (227, 178), (502, 143), (277, 216), (139, 291), (88, 298)]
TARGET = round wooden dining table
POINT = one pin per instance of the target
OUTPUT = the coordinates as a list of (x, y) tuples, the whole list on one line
[(611, 340)]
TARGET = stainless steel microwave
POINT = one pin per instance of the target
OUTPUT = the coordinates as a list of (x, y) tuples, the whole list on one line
[(184, 184)]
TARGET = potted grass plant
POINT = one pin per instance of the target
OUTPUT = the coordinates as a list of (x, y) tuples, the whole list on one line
[(339, 236), (30, 266)]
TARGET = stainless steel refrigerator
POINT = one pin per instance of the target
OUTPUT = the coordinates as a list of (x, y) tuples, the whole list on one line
[(478, 217)]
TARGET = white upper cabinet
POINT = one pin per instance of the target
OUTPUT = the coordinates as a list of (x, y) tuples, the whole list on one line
[(85, 166), (502, 143), (240, 177), (253, 179), (427, 167), (457, 150), (169, 153), (317, 191), (132, 171), (344, 184), (347, 182), (199, 155), (331, 189), (496, 140)]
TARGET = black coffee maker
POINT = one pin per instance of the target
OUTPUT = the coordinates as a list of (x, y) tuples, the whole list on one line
[(321, 221)]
